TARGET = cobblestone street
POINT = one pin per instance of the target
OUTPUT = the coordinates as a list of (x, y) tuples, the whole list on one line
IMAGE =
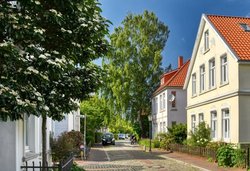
[(126, 157)]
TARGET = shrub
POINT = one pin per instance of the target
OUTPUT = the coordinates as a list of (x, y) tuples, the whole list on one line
[(156, 143), (165, 141), (66, 144), (178, 132), (201, 136), (227, 155)]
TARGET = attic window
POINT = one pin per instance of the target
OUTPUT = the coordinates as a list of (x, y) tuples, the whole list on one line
[(245, 27)]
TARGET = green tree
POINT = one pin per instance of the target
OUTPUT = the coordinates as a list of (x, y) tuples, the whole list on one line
[(133, 65), (46, 50), (98, 116)]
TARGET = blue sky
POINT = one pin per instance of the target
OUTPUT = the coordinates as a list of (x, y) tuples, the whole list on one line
[(181, 16)]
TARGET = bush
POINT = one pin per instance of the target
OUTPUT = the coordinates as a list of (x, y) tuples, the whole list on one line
[(66, 144), (229, 156), (156, 143), (178, 132), (165, 140), (201, 136)]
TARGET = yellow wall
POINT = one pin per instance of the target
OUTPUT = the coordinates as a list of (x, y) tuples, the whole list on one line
[(222, 96)]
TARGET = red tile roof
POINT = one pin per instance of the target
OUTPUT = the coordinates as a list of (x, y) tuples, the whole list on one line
[(174, 78), (234, 35)]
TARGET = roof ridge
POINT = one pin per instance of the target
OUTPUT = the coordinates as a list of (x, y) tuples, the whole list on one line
[(228, 16), (178, 71)]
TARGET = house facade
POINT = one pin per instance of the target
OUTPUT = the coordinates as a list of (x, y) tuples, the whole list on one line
[(21, 141), (69, 123), (169, 100), (217, 83)]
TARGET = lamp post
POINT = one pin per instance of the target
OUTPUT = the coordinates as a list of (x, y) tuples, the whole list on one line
[(150, 130), (84, 134)]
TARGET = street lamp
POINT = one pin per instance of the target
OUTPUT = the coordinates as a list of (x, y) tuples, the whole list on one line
[(84, 134), (150, 130)]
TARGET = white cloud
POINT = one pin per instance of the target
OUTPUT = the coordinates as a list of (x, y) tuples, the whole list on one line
[(248, 14)]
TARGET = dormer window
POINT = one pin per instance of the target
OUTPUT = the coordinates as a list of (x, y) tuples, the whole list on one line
[(245, 27)]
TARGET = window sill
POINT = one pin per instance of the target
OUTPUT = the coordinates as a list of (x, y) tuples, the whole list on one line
[(212, 88), (29, 156), (193, 96), (224, 84)]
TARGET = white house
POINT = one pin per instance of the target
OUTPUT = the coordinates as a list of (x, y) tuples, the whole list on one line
[(217, 83), (69, 123), (21, 141), (169, 100)]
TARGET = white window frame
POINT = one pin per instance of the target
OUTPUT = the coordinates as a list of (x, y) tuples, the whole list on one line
[(206, 40), (224, 69), (164, 101), (194, 84), (202, 78), (214, 124), (156, 105), (225, 124), (193, 122), (201, 117), (160, 102), (212, 75)]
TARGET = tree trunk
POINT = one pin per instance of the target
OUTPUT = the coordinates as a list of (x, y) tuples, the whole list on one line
[(44, 142)]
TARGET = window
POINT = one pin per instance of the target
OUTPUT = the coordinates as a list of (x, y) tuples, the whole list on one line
[(224, 70), (225, 124), (153, 105), (194, 84), (173, 123), (164, 101), (156, 105), (160, 102), (206, 41), (214, 124), (201, 117), (202, 78), (193, 120), (164, 127), (160, 126), (174, 99), (245, 27), (212, 73)]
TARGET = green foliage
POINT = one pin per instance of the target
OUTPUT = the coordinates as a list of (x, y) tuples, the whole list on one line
[(133, 66), (41, 43), (146, 142), (178, 132), (165, 140), (229, 156), (65, 144), (215, 145), (156, 143), (201, 136)]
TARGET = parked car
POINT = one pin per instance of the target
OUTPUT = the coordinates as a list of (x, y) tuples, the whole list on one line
[(108, 138), (121, 136)]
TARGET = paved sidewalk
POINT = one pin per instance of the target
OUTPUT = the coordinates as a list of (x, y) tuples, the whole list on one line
[(196, 161)]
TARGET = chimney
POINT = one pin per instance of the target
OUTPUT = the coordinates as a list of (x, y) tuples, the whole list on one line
[(180, 61)]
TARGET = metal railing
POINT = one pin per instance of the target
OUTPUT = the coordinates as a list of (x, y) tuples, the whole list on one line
[(64, 165)]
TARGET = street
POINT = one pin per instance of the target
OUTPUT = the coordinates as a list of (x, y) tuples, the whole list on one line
[(124, 157)]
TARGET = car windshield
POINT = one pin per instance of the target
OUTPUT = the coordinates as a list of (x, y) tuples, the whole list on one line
[(107, 135)]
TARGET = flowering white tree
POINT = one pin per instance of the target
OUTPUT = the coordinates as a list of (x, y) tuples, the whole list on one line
[(46, 49)]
